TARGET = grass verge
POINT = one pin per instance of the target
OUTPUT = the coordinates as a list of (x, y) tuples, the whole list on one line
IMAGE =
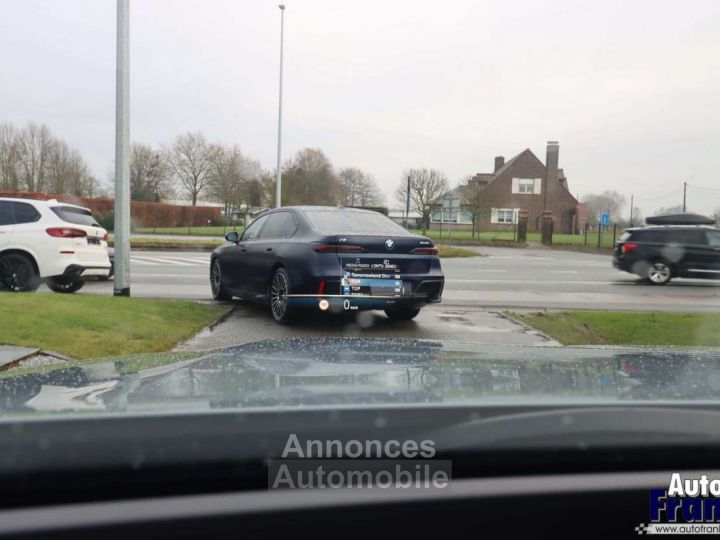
[(626, 328), (189, 231), (447, 252), (606, 239), (89, 326), (170, 244)]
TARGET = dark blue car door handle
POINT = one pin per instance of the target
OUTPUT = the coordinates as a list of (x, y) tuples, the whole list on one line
[(242, 248)]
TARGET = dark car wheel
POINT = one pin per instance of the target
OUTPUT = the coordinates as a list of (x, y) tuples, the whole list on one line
[(17, 273), (279, 289), (65, 285), (402, 314), (218, 291), (659, 273)]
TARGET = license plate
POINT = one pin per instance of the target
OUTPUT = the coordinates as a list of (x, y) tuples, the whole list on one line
[(371, 277)]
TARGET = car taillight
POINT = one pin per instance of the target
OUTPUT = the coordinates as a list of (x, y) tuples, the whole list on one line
[(425, 251), (105, 237), (333, 248), (66, 232), (627, 248), (627, 367)]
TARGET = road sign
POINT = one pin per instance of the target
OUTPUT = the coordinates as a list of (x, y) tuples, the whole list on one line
[(604, 218)]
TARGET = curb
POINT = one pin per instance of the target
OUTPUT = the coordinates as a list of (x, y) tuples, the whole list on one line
[(529, 328)]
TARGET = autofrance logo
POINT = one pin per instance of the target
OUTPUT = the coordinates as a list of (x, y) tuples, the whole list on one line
[(686, 506), (389, 243)]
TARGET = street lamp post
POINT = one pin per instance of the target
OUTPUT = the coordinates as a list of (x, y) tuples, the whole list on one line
[(121, 286), (278, 178)]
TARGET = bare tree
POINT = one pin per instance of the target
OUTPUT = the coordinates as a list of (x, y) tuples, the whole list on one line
[(264, 189), (190, 159), (150, 173), (358, 188), (231, 174), (474, 199), (677, 209), (35, 145), (611, 202), (426, 187), (309, 178), (9, 157), (67, 173)]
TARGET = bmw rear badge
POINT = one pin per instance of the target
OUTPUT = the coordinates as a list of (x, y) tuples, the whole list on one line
[(389, 243)]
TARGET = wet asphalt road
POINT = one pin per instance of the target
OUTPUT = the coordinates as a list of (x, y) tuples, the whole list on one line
[(504, 277)]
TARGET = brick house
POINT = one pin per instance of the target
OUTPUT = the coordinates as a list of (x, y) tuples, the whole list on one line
[(522, 182)]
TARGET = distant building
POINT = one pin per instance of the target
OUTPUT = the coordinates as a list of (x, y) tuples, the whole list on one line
[(516, 185), (414, 219)]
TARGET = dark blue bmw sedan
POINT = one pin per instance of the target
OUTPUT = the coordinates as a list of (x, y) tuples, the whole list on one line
[(328, 258)]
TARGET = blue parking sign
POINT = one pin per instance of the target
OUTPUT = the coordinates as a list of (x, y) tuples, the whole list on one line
[(604, 218)]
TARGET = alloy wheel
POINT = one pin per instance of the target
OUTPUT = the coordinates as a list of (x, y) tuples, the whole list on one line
[(278, 295), (215, 278), (659, 272), (16, 273)]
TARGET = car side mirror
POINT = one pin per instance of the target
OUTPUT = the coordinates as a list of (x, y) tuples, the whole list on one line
[(233, 237)]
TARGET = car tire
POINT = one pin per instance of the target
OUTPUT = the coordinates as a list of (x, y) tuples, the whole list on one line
[(402, 314), (277, 297), (659, 272), (218, 290), (65, 285), (17, 273)]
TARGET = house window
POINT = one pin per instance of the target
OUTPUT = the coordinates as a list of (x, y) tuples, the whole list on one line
[(527, 186), (442, 215), (502, 215)]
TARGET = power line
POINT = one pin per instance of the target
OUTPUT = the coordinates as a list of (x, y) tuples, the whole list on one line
[(660, 197), (704, 189)]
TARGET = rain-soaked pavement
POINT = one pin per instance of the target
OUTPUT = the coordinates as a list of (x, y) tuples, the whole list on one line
[(249, 322)]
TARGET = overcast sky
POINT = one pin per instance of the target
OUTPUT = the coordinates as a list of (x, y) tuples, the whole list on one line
[(630, 88)]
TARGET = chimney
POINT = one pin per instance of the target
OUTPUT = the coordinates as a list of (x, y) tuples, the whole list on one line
[(499, 162), (551, 168)]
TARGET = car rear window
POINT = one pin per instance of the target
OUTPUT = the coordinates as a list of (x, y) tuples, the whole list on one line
[(338, 221), (78, 216)]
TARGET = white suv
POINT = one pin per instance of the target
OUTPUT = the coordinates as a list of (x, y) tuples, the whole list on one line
[(49, 241)]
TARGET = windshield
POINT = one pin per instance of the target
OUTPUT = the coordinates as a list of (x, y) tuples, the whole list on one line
[(328, 215)]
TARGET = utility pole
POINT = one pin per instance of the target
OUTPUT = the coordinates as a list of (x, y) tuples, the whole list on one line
[(121, 286), (278, 178), (632, 197), (684, 196), (450, 201), (407, 203)]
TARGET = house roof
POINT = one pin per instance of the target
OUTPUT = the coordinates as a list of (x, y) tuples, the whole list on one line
[(487, 178)]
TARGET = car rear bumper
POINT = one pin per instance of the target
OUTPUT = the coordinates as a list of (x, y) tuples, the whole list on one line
[(77, 270), (427, 291), (624, 264)]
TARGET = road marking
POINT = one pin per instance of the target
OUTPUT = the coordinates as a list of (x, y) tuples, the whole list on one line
[(142, 261), (564, 271), (168, 261), (531, 282), (136, 274), (196, 261)]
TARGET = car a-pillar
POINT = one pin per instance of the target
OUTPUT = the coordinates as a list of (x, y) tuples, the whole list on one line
[(547, 228)]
